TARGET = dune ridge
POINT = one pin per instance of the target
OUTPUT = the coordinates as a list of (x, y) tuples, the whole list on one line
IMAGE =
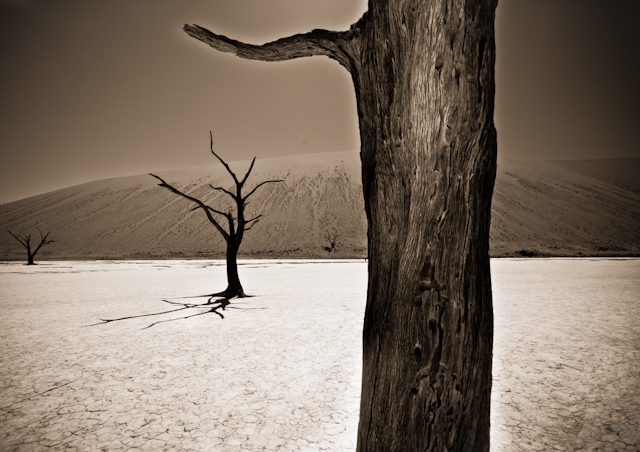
[(546, 208)]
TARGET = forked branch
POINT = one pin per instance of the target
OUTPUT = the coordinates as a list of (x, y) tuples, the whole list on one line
[(44, 240), (239, 183), (252, 222), (25, 241), (237, 225), (225, 164)]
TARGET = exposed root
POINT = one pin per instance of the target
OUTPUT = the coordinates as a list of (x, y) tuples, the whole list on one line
[(230, 294)]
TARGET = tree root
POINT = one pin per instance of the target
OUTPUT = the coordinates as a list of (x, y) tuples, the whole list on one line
[(229, 294)]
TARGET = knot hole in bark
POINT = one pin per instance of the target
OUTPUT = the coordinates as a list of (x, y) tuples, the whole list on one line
[(439, 62), (417, 351)]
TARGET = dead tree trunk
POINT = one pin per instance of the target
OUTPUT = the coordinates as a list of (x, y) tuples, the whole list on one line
[(233, 279), (428, 151), (423, 73), (25, 240), (236, 225)]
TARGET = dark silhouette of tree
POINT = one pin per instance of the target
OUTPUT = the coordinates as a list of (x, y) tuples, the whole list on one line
[(236, 225), (332, 242), (25, 240), (424, 79)]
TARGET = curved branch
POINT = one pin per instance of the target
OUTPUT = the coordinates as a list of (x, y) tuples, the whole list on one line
[(338, 45), (260, 185), (219, 212), (24, 240), (225, 164), (255, 221), (224, 190), (252, 222), (207, 210), (244, 179)]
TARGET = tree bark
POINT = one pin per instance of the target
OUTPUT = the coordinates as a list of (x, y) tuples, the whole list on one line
[(423, 74), (425, 96)]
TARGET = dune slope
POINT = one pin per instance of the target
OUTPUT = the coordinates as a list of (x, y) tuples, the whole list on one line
[(548, 208)]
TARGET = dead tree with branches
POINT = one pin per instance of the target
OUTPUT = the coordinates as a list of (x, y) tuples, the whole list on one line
[(423, 77), (236, 225), (332, 242), (25, 240)]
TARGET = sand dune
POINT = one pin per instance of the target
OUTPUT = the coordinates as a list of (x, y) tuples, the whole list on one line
[(558, 208), (544, 207)]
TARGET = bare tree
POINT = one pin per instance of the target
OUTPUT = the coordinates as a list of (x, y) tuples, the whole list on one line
[(424, 79), (236, 225), (332, 241), (25, 240)]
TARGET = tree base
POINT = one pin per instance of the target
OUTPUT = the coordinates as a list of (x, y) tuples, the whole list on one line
[(229, 293)]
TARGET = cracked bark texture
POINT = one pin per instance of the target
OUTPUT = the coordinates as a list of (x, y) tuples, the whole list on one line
[(423, 74)]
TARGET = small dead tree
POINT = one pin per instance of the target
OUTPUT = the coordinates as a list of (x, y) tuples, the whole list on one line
[(236, 225), (332, 242), (25, 240)]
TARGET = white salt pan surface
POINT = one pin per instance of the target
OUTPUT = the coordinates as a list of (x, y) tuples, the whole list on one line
[(282, 371)]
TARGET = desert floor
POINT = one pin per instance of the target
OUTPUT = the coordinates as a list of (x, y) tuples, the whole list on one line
[(281, 371)]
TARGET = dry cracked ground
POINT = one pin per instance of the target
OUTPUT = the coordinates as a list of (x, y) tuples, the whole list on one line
[(281, 371)]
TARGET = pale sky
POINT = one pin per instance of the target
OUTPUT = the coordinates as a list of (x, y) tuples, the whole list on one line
[(93, 89)]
